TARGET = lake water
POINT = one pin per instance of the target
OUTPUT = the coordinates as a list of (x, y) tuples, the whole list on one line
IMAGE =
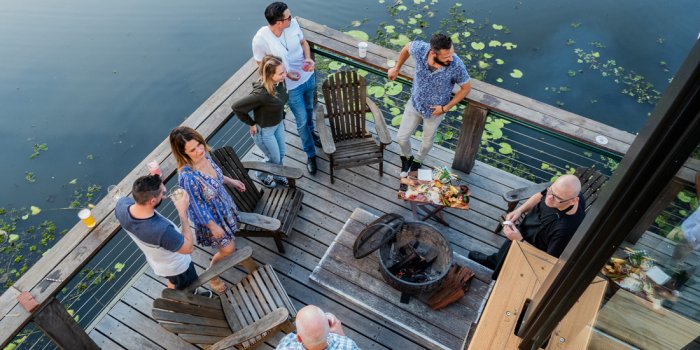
[(101, 83)]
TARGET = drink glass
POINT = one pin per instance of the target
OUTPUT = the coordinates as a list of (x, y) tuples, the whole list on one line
[(153, 168), (307, 65), (390, 63), (176, 193), (116, 192), (362, 49), (85, 216)]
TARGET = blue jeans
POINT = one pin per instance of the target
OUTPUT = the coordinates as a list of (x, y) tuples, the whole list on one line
[(270, 140), (301, 102)]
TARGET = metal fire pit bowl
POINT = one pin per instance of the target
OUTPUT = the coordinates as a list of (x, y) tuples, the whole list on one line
[(426, 235)]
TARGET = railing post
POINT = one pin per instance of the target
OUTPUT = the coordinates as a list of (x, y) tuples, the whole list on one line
[(62, 329), (473, 123)]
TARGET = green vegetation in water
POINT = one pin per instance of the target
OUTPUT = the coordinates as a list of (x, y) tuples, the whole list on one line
[(38, 148)]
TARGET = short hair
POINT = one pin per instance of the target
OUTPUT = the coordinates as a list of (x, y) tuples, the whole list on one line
[(146, 187), (439, 42), (274, 12), (178, 138)]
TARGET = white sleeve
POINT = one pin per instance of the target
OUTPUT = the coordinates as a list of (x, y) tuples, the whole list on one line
[(260, 48)]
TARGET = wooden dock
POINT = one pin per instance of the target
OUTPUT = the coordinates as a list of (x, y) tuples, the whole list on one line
[(128, 323)]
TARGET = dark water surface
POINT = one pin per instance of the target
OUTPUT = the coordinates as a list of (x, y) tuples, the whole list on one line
[(102, 82)]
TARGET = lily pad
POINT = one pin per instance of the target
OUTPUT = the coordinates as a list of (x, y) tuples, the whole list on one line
[(488, 55), (494, 43), (455, 38), (394, 111), (516, 73), (358, 34), (402, 8), (496, 26), (482, 65), (73, 182), (466, 34), (489, 149), (595, 54), (400, 41), (356, 23), (412, 21), (25, 216), (362, 72), (118, 267), (376, 91), (335, 65), (505, 148), (684, 196), (13, 238), (499, 80), (35, 210), (389, 29), (499, 61), (509, 46), (417, 31), (478, 46), (396, 121), (470, 21), (393, 88), (369, 116)]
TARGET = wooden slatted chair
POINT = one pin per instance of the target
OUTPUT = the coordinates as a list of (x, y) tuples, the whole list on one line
[(591, 182), (278, 203), (245, 315), (347, 142)]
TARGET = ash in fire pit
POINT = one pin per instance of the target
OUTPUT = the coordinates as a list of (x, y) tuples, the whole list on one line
[(412, 263)]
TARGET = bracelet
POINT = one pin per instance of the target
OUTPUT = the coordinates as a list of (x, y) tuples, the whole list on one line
[(442, 108)]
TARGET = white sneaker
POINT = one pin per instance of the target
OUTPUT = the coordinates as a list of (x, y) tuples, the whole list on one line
[(268, 181)]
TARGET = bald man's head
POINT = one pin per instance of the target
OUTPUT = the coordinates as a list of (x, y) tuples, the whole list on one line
[(312, 327), (563, 192)]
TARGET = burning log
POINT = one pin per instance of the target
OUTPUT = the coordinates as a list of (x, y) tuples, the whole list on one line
[(413, 262)]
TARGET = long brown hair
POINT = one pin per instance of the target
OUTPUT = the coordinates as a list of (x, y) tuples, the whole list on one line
[(178, 138), (267, 70)]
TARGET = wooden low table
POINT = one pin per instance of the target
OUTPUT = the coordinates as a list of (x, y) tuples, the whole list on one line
[(428, 208), (360, 282)]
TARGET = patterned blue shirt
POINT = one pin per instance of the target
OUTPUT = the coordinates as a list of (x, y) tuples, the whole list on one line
[(433, 88), (335, 342)]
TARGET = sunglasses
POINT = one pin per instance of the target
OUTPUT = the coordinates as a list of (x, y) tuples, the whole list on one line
[(286, 19), (557, 198)]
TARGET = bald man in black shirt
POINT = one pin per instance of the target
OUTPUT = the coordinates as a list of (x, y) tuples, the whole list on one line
[(552, 217)]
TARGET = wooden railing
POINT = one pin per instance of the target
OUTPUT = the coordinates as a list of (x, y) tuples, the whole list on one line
[(485, 98), (54, 270)]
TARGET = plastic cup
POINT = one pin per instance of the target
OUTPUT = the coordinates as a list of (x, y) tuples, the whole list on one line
[(85, 216), (362, 49), (176, 193), (115, 192), (390, 63), (307, 65), (153, 168)]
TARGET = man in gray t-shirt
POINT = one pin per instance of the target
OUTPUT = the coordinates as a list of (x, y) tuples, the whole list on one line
[(167, 250)]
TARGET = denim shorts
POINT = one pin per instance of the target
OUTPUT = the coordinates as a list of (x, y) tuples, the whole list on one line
[(184, 279)]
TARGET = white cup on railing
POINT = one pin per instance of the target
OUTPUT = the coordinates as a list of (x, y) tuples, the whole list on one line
[(362, 49)]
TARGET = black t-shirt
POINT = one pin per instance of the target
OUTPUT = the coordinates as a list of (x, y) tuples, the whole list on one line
[(550, 229)]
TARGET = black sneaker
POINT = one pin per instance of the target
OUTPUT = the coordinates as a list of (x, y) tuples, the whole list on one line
[(283, 182), (268, 182), (415, 165), (482, 259), (311, 165), (203, 292), (317, 139), (405, 165)]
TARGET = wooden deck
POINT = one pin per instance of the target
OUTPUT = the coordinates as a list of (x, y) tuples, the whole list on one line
[(128, 323)]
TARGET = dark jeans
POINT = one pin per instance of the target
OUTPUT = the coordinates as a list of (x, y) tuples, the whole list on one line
[(184, 279), (498, 258)]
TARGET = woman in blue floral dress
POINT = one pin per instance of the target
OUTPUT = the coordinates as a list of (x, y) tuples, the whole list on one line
[(211, 209)]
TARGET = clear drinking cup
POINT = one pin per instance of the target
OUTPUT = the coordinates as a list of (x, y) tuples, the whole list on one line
[(390, 63), (362, 49), (153, 168), (86, 217), (115, 192), (176, 193)]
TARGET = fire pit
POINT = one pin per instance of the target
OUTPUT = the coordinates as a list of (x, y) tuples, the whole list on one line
[(414, 257)]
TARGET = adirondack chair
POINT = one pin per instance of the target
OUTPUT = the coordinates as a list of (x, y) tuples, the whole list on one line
[(347, 142), (591, 182), (281, 204), (242, 317)]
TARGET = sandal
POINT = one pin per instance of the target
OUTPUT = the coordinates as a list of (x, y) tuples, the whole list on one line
[(217, 285)]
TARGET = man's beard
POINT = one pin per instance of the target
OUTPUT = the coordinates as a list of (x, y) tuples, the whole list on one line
[(437, 60), (159, 203)]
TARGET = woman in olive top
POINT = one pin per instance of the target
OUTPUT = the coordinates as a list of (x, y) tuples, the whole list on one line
[(267, 101)]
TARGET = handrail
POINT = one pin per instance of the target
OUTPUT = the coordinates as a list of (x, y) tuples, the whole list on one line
[(548, 118)]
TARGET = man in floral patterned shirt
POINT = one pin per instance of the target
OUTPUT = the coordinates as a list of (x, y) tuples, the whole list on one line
[(437, 70), (316, 330)]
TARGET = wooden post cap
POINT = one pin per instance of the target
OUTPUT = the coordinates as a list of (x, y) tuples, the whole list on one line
[(27, 301)]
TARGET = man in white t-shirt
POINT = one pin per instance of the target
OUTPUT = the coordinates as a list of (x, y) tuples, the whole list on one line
[(282, 37)]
